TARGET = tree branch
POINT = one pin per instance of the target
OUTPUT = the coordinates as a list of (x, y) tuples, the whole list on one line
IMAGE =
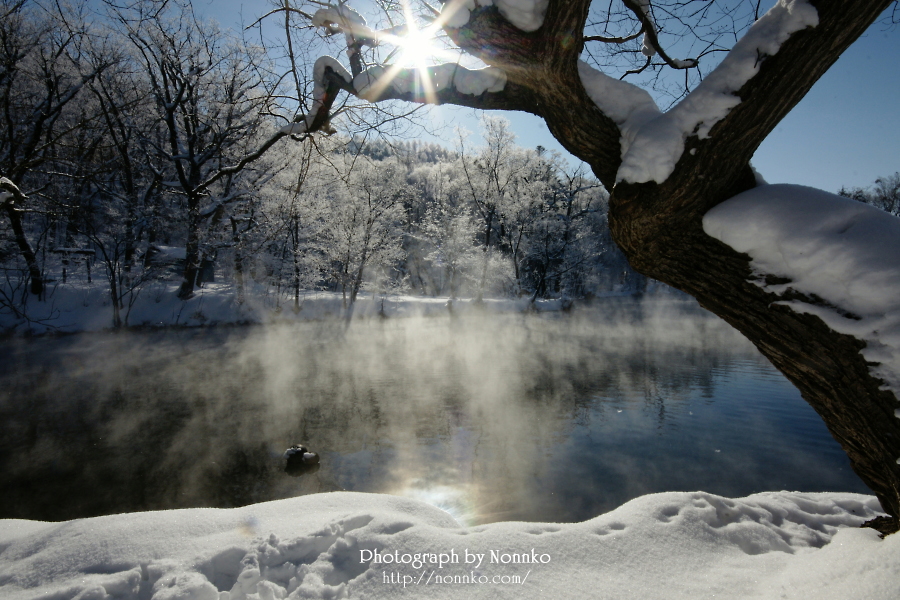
[(612, 40), (649, 29), (545, 64), (782, 81)]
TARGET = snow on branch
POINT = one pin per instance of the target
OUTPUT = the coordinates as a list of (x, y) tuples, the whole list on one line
[(323, 66), (434, 85), (383, 83), (840, 257), (651, 45), (372, 83), (343, 19), (526, 15), (651, 153), (628, 105)]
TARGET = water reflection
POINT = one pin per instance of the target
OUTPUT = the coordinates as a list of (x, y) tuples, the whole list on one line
[(512, 417)]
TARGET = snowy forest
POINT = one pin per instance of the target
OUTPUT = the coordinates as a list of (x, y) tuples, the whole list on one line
[(143, 144), (145, 148)]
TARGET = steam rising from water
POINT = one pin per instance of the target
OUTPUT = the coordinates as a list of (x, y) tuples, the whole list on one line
[(492, 417)]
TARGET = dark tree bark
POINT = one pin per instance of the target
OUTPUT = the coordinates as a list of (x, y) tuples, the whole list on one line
[(34, 270), (659, 225)]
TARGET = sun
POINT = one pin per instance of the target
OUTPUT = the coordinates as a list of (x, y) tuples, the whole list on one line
[(417, 48), (412, 62)]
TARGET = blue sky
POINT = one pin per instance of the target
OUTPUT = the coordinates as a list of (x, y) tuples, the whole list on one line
[(846, 132)]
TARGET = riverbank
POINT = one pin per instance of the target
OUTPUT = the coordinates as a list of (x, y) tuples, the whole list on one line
[(81, 307)]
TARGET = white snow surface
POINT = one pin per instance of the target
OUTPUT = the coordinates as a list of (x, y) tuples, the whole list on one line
[(845, 252), (672, 545), (349, 21), (526, 15), (652, 142)]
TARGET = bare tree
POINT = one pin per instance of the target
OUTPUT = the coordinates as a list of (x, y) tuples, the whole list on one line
[(664, 170), (43, 69), (566, 241), (885, 194), (362, 230)]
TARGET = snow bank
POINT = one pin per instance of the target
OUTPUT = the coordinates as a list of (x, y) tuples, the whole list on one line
[(842, 251), (351, 545)]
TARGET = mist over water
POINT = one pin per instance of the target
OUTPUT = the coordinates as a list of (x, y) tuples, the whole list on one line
[(547, 417)]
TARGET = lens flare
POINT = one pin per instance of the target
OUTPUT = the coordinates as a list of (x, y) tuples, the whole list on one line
[(415, 51), (454, 500)]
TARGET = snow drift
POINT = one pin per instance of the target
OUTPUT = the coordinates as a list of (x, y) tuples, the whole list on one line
[(671, 545)]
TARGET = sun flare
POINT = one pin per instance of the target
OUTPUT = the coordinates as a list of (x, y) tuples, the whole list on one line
[(417, 48), (416, 53)]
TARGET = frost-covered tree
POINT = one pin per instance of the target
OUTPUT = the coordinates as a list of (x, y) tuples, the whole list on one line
[(448, 230), (211, 98), (885, 194), (361, 231), (585, 69), (289, 230), (496, 181)]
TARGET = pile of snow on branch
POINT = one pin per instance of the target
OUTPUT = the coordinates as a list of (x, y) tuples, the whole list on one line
[(527, 15), (371, 84), (842, 251)]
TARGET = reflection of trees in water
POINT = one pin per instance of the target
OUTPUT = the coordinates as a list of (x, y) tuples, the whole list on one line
[(104, 423), (607, 362)]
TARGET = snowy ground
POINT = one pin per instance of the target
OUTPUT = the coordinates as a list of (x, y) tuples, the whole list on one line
[(351, 545)]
